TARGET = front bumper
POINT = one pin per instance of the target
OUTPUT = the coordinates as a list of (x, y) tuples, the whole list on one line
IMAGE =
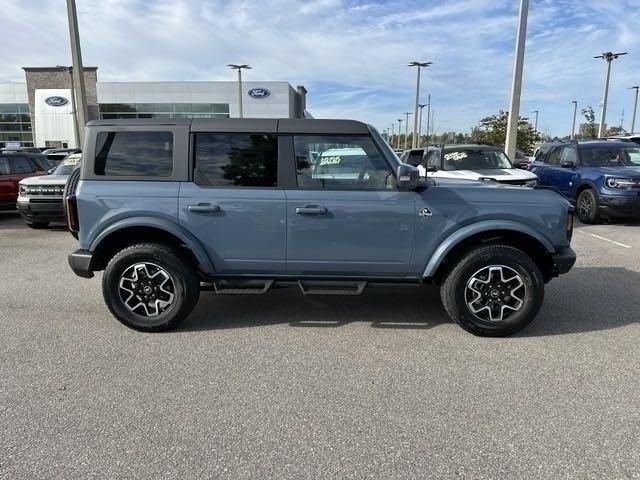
[(563, 261), (617, 206), (80, 263), (41, 209)]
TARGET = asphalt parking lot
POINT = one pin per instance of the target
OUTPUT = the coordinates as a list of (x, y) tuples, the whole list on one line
[(285, 386)]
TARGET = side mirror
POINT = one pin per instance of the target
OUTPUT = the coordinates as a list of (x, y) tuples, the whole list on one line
[(408, 177), (568, 164)]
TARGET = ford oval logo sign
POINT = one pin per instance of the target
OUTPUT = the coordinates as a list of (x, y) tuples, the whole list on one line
[(56, 101), (258, 93)]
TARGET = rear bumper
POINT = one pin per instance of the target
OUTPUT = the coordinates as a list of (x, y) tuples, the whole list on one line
[(618, 206), (80, 263), (563, 261), (42, 210)]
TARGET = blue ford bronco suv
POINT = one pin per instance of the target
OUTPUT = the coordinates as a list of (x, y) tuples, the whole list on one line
[(168, 208)]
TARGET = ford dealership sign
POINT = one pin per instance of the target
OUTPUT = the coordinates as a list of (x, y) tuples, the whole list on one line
[(258, 93), (56, 101)]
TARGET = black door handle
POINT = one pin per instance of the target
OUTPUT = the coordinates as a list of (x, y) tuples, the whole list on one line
[(203, 208), (311, 210)]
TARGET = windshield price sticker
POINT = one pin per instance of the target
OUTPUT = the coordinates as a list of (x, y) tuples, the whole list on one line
[(330, 160), (455, 156)]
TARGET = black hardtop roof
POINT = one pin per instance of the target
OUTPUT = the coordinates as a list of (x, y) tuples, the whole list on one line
[(263, 125), (592, 143)]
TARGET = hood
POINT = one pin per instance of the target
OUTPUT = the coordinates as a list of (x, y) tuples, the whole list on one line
[(45, 180), (619, 171), (502, 174)]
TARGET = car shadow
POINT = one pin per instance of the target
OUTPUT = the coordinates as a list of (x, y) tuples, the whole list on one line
[(11, 220), (588, 299)]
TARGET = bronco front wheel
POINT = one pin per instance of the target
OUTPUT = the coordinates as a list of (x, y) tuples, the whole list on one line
[(493, 291), (150, 287)]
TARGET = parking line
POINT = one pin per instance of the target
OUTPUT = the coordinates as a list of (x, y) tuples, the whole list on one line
[(605, 239)]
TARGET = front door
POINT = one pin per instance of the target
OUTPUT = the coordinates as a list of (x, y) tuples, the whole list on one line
[(233, 205), (346, 216)]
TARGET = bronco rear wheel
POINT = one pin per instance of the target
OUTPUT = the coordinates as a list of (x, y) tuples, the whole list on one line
[(493, 291), (150, 287)]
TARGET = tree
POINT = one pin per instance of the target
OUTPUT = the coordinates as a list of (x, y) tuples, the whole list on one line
[(493, 130), (615, 131), (589, 131)]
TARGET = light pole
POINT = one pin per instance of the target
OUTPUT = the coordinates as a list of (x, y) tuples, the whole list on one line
[(609, 57), (399, 132), (239, 68), (635, 108), (393, 132), (516, 86), (428, 118), (573, 125), (414, 142), (406, 130), (535, 127), (82, 113), (76, 128), (421, 107)]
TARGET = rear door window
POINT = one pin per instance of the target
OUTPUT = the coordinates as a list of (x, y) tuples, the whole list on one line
[(236, 160), (135, 154), (554, 157), (22, 165), (4, 166)]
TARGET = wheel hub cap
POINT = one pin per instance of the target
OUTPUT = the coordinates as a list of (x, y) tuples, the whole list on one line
[(146, 289), (494, 293)]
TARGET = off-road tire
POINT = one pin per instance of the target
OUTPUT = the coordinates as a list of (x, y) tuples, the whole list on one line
[(182, 273), (593, 215), (453, 290)]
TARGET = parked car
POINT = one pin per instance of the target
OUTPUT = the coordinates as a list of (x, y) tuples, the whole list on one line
[(57, 155), (13, 168), (635, 138), (40, 198), (522, 161), (473, 162), (239, 205), (602, 177), (413, 156)]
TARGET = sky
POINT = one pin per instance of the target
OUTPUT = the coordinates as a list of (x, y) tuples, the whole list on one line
[(351, 54)]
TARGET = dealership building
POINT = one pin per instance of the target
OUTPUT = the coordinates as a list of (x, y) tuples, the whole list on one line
[(39, 112)]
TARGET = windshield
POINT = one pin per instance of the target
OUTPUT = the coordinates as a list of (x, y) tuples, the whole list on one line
[(476, 159), (608, 156), (68, 164)]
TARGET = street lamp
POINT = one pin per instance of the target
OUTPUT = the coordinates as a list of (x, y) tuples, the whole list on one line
[(635, 108), (76, 127), (406, 130), (420, 65), (535, 127), (421, 107), (393, 132), (399, 131), (609, 57), (573, 126), (239, 68), (428, 118), (516, 86)]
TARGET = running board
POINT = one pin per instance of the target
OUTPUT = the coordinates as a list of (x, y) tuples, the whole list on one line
[(331, 287), (242, 287)]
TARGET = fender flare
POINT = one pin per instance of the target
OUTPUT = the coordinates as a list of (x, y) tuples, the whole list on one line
[(485, 226), (584, 182), (161, 224)]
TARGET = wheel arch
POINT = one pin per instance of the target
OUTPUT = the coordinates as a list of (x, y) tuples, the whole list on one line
[(137, 230), (506, 233)]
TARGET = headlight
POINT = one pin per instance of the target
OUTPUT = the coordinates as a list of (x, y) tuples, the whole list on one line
[(531, 183), (620, 183)]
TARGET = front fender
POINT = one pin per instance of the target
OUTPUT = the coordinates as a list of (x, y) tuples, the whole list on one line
[(162, 224), (485, 226)]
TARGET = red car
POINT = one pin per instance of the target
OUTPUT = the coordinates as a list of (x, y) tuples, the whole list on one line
[(13, 168)]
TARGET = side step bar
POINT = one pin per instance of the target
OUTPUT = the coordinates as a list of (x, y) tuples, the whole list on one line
[(243, 287), (331, 287)]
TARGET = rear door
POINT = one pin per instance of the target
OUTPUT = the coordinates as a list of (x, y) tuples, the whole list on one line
[(345, 215), (6, 182), (558, 176), (233, 204)]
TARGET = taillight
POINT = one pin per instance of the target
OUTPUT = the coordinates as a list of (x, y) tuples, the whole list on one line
[(71, 208)]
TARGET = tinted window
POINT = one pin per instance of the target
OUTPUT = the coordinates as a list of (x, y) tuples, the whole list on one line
[(340, 162), (144, 154), (4, 167), (554, 157), (610, 156), (22, 165), (569, 154), (236, 159)]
